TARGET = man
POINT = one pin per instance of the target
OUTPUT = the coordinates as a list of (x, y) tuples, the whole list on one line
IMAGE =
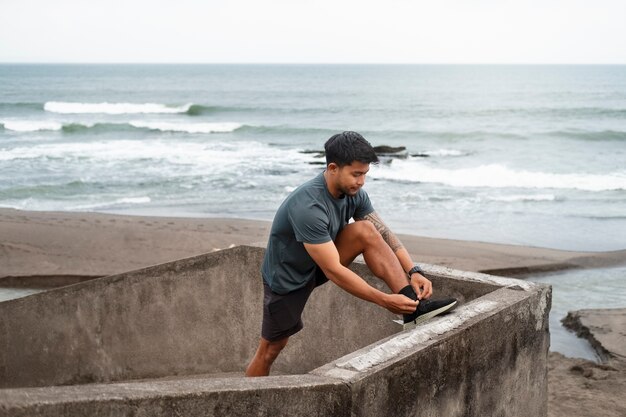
[(311, 241)]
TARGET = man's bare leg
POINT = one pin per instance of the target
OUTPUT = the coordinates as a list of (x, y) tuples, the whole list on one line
[(356, 238), (361, 237), (265, 355)]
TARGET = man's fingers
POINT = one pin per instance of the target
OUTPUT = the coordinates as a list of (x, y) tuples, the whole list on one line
[(418, 290), (402, 304), (428, 290), (410, 307), (423, 287)]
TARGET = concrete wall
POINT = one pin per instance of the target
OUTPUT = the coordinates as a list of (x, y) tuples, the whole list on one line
[(295, 396), (193, 316), (202, 316), (492, 362), (170, 319)]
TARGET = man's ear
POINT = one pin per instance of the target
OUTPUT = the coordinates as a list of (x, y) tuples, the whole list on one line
[(332, 167)]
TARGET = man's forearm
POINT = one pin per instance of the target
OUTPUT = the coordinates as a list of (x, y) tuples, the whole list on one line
[(326, 257), (355, 285)]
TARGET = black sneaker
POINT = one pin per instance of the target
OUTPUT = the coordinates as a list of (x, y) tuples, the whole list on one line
[(426, 309)]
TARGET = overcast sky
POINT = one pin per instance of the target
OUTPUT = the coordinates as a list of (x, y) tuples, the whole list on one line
[(314, 31)]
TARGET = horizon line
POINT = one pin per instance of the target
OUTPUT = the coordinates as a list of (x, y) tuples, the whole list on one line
[(309, 63)]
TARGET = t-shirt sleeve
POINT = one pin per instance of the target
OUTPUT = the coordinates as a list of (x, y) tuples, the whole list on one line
[(310, 223), (364, 205)]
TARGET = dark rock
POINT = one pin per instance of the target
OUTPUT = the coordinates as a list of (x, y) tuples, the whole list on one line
[(384, 149)]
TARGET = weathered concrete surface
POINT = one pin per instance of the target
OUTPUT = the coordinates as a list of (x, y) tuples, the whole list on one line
[(196, 315), (488, 358), (202, 315), (43, 281), (302, 395), (604, 328), (175, 318)]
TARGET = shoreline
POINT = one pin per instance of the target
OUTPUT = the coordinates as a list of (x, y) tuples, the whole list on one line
[(89, 244)]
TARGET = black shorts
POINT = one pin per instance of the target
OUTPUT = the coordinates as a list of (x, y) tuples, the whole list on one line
[(282, 313)]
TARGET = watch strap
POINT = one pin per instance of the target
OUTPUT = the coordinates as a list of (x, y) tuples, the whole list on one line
[(414, 270)]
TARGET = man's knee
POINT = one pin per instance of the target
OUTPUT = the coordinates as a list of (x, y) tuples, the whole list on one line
[(361, 229), (355, 238), (365, 230)]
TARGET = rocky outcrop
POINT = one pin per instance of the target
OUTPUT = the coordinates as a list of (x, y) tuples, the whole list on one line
[(384, 152), (605, 330)]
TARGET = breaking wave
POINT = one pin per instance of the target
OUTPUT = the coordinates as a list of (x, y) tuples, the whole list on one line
[(113, 108), (31, 126), (498, 176), (42, 125), (224, 127)]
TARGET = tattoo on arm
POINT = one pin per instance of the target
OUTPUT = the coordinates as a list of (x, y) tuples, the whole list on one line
[(391, 239)]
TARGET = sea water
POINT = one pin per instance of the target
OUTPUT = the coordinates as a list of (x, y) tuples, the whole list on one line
[(580, 290), (12, 293), (530, 155)]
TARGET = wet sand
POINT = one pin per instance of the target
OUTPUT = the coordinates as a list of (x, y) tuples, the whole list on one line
[(92, 244), (580, 388)]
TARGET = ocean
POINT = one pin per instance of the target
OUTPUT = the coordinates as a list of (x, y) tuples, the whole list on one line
[(531, 155)]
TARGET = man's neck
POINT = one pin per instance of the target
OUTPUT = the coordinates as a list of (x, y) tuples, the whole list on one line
[(330, 186)]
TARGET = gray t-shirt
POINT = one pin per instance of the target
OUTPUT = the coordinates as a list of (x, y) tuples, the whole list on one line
[(310, 214)]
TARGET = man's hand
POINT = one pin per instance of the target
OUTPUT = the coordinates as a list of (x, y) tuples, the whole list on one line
[(399, 304), (422, 286)]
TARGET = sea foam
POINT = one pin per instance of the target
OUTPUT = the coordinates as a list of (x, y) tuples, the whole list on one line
[(124, 201), (224, 127), (31, 125), (443, 152), (498, 176), (112, 108), (46, 125), (523, 197), (213, 158)]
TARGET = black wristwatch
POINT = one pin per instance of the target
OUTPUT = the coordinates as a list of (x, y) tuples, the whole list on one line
[(414, 270)]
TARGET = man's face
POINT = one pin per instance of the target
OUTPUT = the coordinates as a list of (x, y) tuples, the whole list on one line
[(350, 178)]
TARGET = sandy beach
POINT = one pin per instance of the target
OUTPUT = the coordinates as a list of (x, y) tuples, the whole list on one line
[(49, 248), (37, 243)]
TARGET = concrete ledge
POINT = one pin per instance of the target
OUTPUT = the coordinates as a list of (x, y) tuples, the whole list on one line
[(302, 395), (201, 315), (479, 361)]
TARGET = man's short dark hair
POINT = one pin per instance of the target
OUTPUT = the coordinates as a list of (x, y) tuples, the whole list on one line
[(347, 147)]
